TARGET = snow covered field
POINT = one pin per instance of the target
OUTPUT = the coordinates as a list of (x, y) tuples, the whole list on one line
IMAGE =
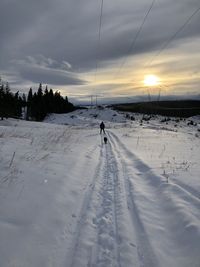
[(69, 200)]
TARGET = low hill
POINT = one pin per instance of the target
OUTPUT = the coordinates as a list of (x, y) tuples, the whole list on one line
[(181, 108)]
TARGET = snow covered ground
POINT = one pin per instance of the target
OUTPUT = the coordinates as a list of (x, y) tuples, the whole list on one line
[(69, 200)]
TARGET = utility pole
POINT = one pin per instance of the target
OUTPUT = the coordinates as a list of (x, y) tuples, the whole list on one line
[(91, 101), (159, 94), (149, 96)]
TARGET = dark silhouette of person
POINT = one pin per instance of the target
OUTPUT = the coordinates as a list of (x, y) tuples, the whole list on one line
[(102, 127)]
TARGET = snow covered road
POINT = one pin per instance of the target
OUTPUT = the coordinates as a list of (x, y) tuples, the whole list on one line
[(69, 200)]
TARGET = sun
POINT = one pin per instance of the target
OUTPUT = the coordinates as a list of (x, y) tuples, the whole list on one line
[(151, 80)]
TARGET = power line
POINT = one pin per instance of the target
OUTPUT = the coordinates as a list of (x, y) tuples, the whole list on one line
[(133, 43), (99, 37), (100, 21), (163, 47)]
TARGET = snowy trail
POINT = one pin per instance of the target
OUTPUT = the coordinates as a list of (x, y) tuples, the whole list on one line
[(69, 200), (78, 252), (109, 226), (97, 221), (151, 199), (104, 235), (107, 221), (145, 253)]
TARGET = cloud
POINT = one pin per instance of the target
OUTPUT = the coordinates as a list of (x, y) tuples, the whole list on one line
[(42, 61), (46, 70), (49, 76), (55, 41)]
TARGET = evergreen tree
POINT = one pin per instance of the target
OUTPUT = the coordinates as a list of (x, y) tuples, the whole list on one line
[(24, 100), (10, 104), (2, 102), (30, 95), (38, 104), (29, 104)]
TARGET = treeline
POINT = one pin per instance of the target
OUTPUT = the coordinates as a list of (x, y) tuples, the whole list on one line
[(41, 103), (176, 108), (10, 104), (35, 106)]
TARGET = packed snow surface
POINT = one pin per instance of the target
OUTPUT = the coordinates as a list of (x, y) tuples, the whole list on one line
[(69, 200)]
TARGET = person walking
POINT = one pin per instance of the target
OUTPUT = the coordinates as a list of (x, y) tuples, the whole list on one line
[(102, 127)]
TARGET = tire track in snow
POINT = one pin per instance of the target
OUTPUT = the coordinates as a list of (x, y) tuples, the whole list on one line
[(145, 251)]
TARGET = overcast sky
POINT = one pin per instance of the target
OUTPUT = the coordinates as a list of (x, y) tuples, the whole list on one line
[(57, 43)]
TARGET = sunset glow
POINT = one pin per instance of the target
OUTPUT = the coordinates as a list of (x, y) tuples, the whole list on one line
[(151, 80)]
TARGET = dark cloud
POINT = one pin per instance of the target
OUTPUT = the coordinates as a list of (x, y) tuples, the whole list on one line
[(49, 76), (46, 70)]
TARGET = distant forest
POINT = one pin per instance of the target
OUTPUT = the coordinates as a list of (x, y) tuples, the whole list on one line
[(35, 105), (173, 108)]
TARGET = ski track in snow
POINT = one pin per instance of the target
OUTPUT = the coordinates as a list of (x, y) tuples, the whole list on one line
[(144, 249), (76, 245), (152, 185), (115, 200), (108, 232), (100, 196)]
